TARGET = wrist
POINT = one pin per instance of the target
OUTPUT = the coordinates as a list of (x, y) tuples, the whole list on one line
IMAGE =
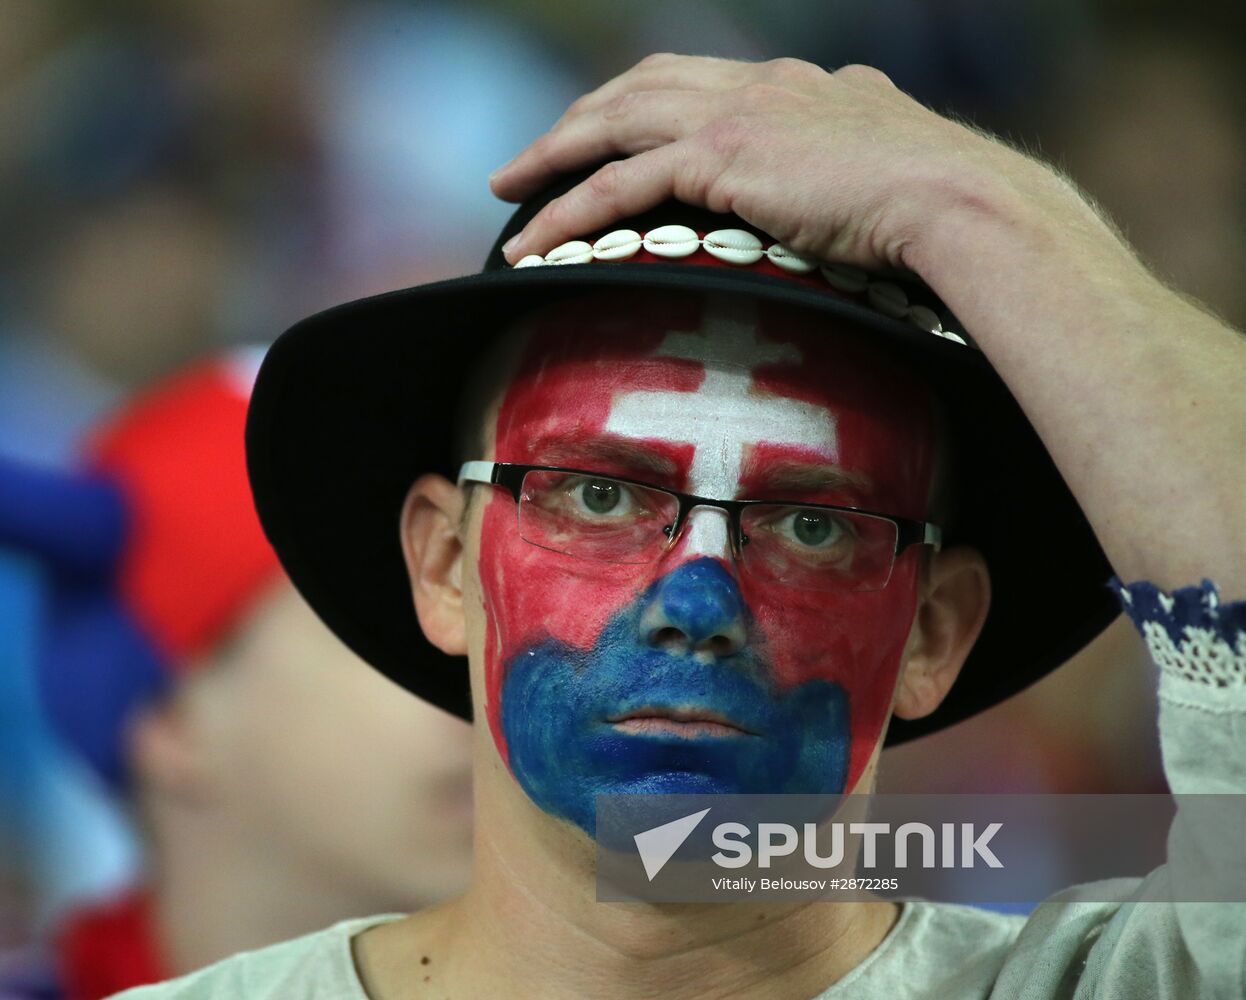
[(1001, 226), (955, 208)]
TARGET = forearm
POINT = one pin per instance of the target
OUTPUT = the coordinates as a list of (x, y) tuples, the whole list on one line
[(1138, 394)]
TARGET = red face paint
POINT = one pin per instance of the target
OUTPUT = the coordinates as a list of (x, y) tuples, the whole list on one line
[(706, 399)]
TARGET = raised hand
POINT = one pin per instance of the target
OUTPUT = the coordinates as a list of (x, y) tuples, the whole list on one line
[(838, 165)]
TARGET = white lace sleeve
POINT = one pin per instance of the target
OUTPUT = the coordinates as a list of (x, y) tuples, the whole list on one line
[(1191, 633), (1198, 642)]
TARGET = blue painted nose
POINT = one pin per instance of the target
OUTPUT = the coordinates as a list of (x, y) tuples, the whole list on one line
[(695, 609)]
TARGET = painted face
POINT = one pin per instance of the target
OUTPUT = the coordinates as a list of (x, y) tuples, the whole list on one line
[(691, 673)]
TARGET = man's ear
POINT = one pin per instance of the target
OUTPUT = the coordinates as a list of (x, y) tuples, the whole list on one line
[(165, 752), (950, 614), (431, 517)]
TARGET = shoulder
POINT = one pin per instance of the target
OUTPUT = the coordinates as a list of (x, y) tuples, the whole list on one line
[(317, 966), (950, 950), (960, 947), (935, 950)]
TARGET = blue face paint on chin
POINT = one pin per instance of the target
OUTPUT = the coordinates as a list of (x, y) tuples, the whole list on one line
[(557, 700)]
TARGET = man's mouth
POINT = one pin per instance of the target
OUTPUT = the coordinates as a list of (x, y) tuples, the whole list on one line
[(685, 722)]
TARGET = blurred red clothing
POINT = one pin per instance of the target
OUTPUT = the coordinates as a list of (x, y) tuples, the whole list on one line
[(110, 947)]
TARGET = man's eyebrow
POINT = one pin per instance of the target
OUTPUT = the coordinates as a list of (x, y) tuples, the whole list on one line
[(578, 452), (804, 476)]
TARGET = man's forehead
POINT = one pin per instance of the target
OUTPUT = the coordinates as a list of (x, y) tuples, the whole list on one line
[(730, 394), (610, 339)]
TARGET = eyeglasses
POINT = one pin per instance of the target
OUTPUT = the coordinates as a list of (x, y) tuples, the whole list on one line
[(614, 520)]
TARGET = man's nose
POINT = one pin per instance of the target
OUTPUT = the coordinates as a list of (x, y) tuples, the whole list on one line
[(697, 609)]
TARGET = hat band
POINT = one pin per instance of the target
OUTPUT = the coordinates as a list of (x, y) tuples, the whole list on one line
[(740, 248)]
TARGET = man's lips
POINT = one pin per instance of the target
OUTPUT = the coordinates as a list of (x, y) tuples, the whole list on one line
[(686, 722)]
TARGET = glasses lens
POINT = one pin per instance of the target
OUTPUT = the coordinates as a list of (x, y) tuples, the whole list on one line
[(593, 517), (816, 549)]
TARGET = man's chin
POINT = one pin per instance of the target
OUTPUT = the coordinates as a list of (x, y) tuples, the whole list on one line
[(636, 791), (577, 802), (674, 782)]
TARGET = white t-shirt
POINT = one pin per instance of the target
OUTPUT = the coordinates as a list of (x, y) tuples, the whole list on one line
[(1067, 949), (954, 950)]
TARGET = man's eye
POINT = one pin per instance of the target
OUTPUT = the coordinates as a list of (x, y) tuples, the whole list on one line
[(600, 496), (815, 528)]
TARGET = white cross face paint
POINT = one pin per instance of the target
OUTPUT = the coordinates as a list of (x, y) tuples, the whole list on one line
[(724, 416)]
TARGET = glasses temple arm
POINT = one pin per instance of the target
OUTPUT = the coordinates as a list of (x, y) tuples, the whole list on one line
[(477, 472)]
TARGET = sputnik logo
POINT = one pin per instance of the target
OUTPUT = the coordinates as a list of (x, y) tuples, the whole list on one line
[(658, 845)]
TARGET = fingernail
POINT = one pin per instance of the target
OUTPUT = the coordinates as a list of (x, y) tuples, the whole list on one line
[(510, 244)]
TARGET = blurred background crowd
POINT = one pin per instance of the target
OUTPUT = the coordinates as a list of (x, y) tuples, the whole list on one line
[(179, 179)]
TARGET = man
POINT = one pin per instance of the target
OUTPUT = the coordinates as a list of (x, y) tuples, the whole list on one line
[(695, 539), (183, 667)]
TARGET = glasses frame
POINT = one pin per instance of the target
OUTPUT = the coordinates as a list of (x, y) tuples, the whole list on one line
[(510, 476)]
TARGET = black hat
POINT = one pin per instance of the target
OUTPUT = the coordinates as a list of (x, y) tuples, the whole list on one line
[(354, 403)]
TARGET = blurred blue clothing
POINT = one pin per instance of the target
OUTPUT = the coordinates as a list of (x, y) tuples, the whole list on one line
[(68, 840)]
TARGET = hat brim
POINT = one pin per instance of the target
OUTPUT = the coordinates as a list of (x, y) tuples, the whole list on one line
[(353, 404)]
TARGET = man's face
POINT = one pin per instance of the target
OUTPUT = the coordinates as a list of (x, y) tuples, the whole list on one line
[(691, 672)]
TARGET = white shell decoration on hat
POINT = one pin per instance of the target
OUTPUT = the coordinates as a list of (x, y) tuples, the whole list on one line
[(926, 318), (789, 260), (843, 277), (575, 252), (888, 297), (735, 246), (742, 248), (672, 241), (618, 245)]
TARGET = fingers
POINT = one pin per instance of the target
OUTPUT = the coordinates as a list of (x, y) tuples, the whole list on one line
[(856, 74), (633, 122), (660, 72), (620, 189), (664, 71), (613, 118)]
